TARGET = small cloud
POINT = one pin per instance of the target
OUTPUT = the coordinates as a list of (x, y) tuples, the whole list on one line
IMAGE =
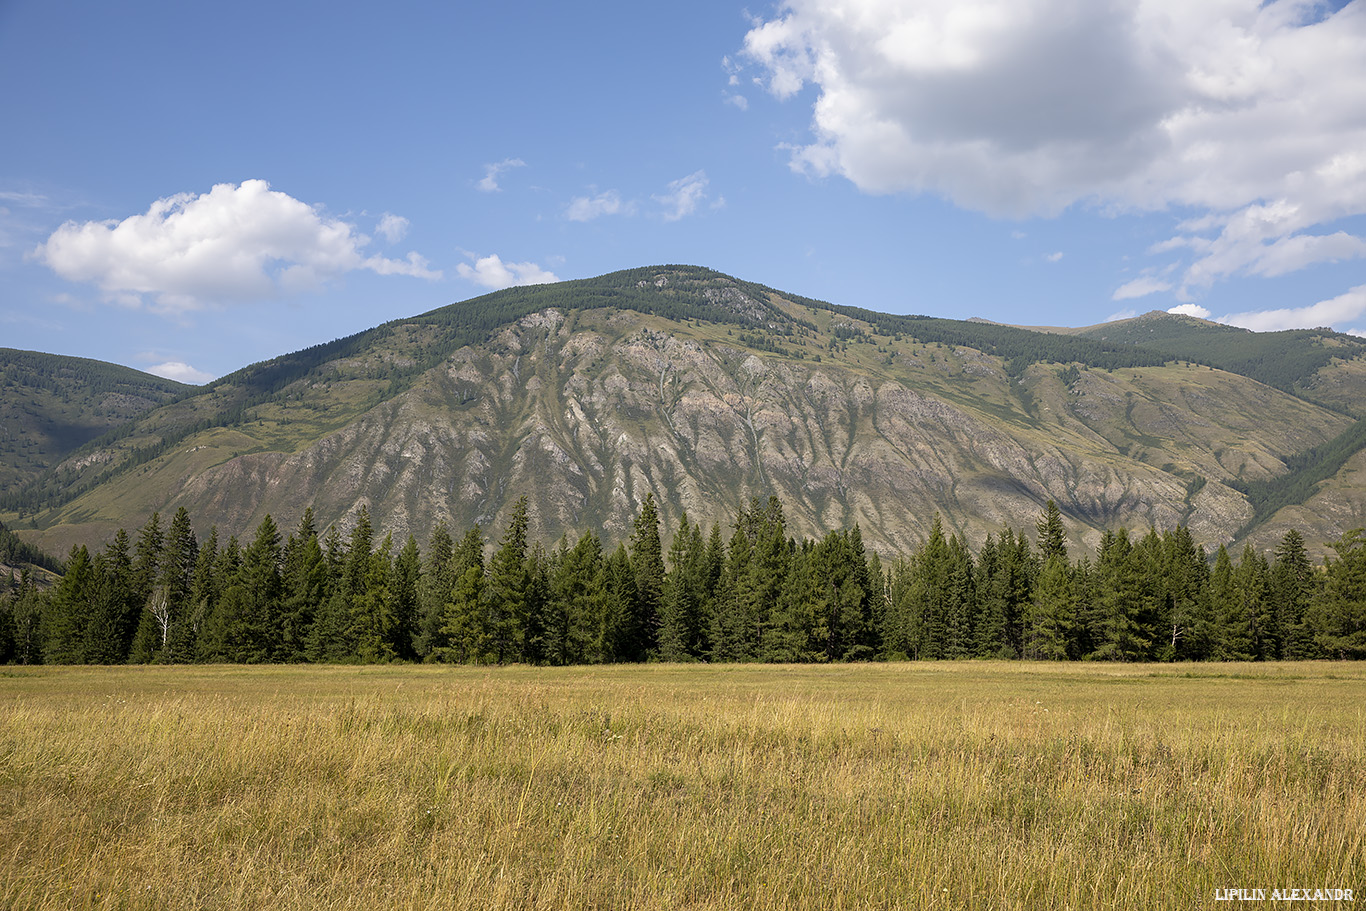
[(489, 183), (414, 266), (1054, 257), (684, 196), (739, 101), (392, 227), (1140, 287), (1122, 314), (181, 372), (587, 208), (492, 273), (1018, 235), (1194, 310), (1357, 332)]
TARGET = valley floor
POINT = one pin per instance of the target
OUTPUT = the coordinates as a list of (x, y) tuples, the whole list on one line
[(917, 785)]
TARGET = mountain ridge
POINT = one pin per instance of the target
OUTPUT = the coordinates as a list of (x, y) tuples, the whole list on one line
[(706, 390)]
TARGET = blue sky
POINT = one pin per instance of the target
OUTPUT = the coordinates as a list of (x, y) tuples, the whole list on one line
[(188, 188)]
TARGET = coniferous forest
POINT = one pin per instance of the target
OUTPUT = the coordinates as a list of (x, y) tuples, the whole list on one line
[(754, 594)]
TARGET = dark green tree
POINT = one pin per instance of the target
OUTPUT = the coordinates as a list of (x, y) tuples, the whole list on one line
[(507, 589)]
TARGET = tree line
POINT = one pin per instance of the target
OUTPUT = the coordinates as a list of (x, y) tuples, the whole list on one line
[(756, 594)]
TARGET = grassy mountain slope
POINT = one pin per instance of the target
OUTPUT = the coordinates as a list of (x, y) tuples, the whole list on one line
[(51, 405), (705, 390), (1293, 360)]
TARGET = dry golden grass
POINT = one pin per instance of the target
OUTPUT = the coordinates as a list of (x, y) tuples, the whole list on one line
[(914, 785)]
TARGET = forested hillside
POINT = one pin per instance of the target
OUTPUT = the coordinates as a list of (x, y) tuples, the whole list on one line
[(51, 405), (752, 593)]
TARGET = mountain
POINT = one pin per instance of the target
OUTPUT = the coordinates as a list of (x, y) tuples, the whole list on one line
[(709, 390), (51, 405)]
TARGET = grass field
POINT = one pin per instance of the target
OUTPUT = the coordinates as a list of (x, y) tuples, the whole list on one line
[(866, 786)]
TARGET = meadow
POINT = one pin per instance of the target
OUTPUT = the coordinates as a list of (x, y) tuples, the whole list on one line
[(915, 785)]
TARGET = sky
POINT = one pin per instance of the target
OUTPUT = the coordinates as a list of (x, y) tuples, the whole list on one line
[(188, 188)]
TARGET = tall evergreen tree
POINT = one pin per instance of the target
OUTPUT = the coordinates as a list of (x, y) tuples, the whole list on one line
[(647, 562), (1232, 621), (1051, 615), (1292, 581), (404, 601), (434, 589), (507, 589), (1052, 536), (465, 629), (1339, 617)]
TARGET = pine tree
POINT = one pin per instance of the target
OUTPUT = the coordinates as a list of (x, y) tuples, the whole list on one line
[(1292, 582), (69, 611), (647, 562), (1123, 589), (1052, 537), (1232, 621), (305, 589), (403, 601), (507, 589), (434, 589), (1339, 616), (465, 627), (575, 612), (1253, 581), (1187, 614), (259, 578), (684, 594), (1050, 617)]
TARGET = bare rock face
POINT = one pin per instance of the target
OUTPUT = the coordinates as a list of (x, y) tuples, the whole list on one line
[(586, 409), (584, 413)]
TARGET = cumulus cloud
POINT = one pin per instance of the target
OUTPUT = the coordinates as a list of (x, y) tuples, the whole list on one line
[(684, 196), (492, 273), (1345, 308), (489, 182), (1140, 287), (232, 244), (1247, 112), (1194, 310), (587, 208), (181, 372), (392, 228), (1054, 257)]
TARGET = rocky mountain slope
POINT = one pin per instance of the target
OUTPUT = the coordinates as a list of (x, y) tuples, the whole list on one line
[(707, 391)]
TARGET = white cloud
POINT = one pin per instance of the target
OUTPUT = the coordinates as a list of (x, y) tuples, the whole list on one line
[(739, 101), (1140, 287), (1357, 332), (232, 244), (1194, 310), (684, 196), (491, 272), (1345, 308), (1054, 257), (1247, 112), (587, 208), (489, 182), (392, 227), (181, 372), (1121, 314)]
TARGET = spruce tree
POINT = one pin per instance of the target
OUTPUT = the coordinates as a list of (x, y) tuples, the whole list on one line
[(647, 563), (507, 589), (1339, 616), (1232, 640)]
